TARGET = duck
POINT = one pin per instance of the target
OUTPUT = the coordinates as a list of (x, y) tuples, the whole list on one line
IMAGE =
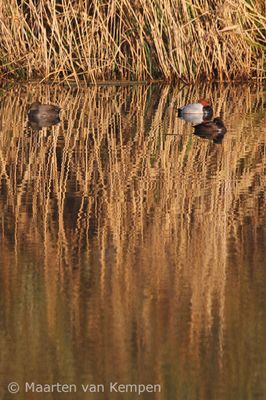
[(43, 115), (43, 110), (212, 130), (194, 119), (201, 107)]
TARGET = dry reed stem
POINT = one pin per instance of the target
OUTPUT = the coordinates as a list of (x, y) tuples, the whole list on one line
[(62, 41)]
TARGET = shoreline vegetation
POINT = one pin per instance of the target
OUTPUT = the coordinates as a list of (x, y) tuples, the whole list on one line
[(95, 41)]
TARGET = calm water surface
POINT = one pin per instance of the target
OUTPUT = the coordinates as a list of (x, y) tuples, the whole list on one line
[(133, 251)]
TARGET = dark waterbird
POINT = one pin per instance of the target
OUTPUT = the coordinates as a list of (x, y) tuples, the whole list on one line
[(211, 130), (43, 115)]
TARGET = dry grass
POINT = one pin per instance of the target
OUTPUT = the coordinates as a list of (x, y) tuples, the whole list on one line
[(89, 41)]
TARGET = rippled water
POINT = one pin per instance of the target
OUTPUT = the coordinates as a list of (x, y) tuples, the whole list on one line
[(133, 251)]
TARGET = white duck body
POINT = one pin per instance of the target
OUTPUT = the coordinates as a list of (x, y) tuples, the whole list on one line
[(193, 108), (202, 107), (193, 118)]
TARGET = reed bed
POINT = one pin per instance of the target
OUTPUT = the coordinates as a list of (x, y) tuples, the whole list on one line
[(98, 40), (111, 200)]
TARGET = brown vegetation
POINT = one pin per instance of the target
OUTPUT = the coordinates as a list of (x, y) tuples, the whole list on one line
[(99, 40)]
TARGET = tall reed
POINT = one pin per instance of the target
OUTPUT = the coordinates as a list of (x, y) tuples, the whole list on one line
[(98, 40)]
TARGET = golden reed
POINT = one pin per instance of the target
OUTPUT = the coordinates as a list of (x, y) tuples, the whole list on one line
[(74, 41)]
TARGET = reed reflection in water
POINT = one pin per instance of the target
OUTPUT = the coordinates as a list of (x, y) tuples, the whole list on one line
[(132, 250)]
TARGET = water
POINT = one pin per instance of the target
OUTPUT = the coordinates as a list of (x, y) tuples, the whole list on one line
[(133, 251)]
